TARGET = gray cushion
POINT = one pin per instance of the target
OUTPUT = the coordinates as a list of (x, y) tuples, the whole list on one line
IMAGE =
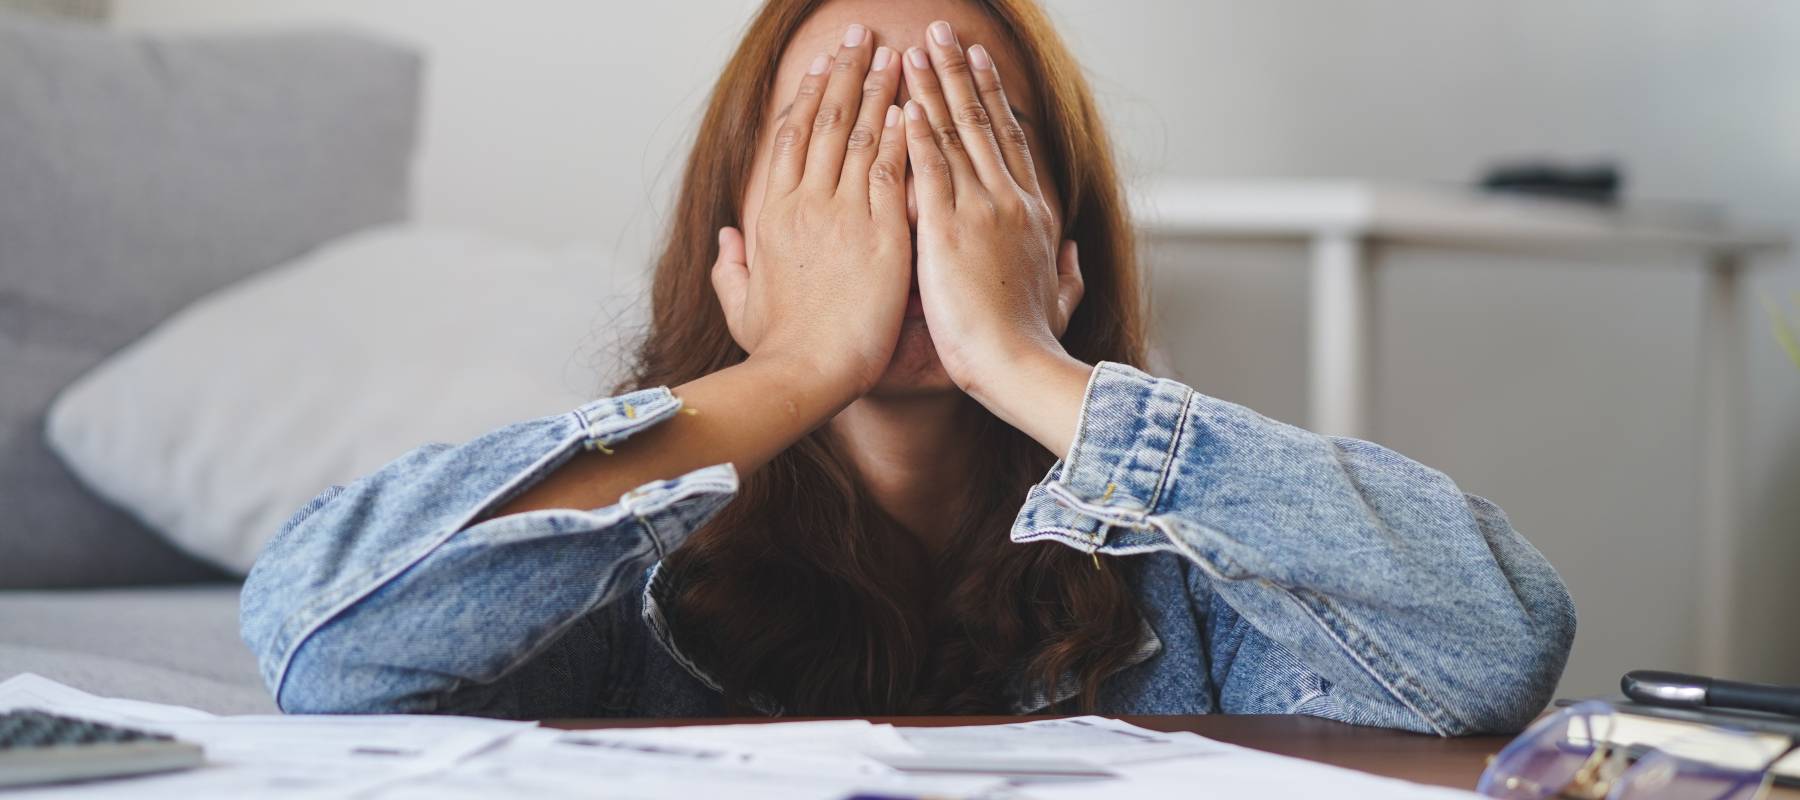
[(136, 175), (167, 645)]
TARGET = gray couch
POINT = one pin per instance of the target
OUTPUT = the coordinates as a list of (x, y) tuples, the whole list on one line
[(138, 174)]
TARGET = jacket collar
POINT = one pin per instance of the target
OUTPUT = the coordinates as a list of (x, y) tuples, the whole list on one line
[(658, 584)]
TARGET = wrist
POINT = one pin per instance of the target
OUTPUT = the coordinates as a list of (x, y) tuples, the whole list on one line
[(1037, 389), (994, 373), (834, 383)]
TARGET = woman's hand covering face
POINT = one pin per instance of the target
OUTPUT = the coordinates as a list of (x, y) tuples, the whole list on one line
[(995, 281), (832, 241), (833, 247)]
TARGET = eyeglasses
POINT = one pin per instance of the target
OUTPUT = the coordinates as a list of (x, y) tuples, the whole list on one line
[(1568, 755)]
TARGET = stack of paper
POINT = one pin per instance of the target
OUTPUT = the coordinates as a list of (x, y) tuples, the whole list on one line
[(267, 756), (454, 757)]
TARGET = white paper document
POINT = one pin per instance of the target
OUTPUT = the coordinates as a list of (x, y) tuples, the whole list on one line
[(265, 756), (1240, 773), (716, 763), (436, 757)]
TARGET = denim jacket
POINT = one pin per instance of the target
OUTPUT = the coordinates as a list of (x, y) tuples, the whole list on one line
[(1279, 571)]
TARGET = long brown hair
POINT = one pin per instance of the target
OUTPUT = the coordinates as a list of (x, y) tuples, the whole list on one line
[(802, 593)]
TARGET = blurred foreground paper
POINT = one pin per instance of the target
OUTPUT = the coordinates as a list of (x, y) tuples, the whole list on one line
[(393, 756)]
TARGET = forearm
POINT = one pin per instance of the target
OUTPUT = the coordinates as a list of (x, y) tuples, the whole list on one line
[(743, 415), (350, 607), (1039, 392)]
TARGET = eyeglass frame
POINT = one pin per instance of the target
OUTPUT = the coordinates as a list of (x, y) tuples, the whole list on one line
[(1609, 763)]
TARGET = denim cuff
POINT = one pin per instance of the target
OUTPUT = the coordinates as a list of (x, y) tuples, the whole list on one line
[(610, 420), (423, 521), (668, 509), (1113, 478)]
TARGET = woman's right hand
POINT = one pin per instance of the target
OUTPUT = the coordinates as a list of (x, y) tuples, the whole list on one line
[(833, 249)]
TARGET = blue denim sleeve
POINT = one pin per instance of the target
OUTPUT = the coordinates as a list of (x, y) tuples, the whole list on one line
[(381, 596), (1341, 579)]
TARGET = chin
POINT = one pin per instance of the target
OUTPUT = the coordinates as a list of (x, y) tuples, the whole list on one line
[(915, 368)]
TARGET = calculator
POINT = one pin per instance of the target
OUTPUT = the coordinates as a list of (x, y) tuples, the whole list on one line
[(40, 747)]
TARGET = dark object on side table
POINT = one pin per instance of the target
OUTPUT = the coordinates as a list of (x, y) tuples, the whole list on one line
[(1599, 183)]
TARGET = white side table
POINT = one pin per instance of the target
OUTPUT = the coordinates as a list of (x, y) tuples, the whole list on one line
[(1339, 220)]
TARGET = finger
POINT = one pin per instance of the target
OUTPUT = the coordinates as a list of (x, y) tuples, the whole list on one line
[(887, 176), (837, 110), (923, 84), (1008, 133), (1069, 284), (731, 278), (932, 177), (861, 149), (788, 161), (973, 122)]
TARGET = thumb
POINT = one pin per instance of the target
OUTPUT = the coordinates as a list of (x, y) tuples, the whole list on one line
[(731, 279), (1069, 286)]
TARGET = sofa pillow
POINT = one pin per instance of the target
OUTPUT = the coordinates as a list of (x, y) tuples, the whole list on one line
[(138, 173), (230, 416)]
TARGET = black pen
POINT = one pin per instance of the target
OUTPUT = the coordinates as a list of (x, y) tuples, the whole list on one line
[(1677, 690)]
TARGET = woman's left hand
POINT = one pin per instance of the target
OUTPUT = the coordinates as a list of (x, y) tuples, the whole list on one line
[(997, 282)]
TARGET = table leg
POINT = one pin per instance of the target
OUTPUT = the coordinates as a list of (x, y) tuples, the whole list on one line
[(1721, 415), (1338, 364)]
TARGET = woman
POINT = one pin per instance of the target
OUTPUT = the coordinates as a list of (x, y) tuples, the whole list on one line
[(895, 289)]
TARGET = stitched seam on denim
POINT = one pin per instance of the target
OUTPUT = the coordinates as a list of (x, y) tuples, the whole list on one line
[(1414, 696), (581, 418), (614, 427), (1061, 535), (587, 607), (695, 484), (1076, 540), (1168, 465), (387, 576), (1357, 656), (1209, 568), (1137, 549), (659, 630), (312, 507), (650, 531), (1120, 517)]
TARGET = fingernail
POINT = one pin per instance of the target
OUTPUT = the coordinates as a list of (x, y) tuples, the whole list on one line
[(978, 57), (893, 116), (918, 59), (853, 35), (882, 55), (913, 112), (820, 62), (940, 32)]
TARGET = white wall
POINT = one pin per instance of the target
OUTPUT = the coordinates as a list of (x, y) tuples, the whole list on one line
[(1565, 392), (1568, 393)]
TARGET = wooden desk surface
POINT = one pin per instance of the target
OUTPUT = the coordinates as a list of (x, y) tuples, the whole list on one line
[(1424, 759)]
